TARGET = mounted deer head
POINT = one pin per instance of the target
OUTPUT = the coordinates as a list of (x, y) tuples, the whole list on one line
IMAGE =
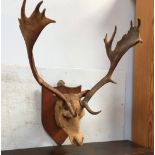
[(69, 123), (69, 108)]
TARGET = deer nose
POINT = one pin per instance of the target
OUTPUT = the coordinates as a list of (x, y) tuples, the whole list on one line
[(78, 141)]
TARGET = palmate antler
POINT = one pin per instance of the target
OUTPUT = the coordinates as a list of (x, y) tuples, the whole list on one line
[(128, 40), (31, 27)]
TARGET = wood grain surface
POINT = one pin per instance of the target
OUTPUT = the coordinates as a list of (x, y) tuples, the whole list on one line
[(102, 148), (142, 122)]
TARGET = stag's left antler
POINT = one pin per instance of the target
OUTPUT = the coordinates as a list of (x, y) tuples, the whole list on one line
[(128, 40), (31, 27)]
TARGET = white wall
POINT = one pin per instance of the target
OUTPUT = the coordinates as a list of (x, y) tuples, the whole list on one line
[(75, 41), (21, 106)]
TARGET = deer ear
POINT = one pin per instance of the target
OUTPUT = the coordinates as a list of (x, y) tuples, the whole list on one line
[(83, 93)]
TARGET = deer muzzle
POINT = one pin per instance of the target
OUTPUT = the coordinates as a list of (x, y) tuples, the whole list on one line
[(76, 139)]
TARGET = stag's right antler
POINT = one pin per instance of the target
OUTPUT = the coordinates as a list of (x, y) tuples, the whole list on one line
[(128, 40), (31, 27)]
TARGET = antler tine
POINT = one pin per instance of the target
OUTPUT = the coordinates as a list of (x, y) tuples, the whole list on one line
[(108, 44), (43, 12), (23, 9), (131, 24), (107, 47), (36, 11), (31, 28), (113, 35), (38, 6), (128, 40), (85, 105)]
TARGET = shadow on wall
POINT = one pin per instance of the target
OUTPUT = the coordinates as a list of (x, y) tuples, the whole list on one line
[(37, 100), (33, 127), (122, 21)]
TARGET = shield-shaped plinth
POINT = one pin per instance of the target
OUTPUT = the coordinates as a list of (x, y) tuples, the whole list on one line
[(48, 114)]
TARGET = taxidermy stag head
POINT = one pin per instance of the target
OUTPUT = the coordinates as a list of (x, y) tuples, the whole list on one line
[(69, 108)]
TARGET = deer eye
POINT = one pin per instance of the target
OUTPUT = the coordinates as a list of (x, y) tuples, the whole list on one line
[(65, 107), (66, 117)]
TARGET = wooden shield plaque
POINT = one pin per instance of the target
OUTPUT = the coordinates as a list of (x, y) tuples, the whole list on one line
[(48, 113)]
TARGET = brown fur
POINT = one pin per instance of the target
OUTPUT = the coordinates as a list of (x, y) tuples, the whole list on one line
[(69, 123)]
